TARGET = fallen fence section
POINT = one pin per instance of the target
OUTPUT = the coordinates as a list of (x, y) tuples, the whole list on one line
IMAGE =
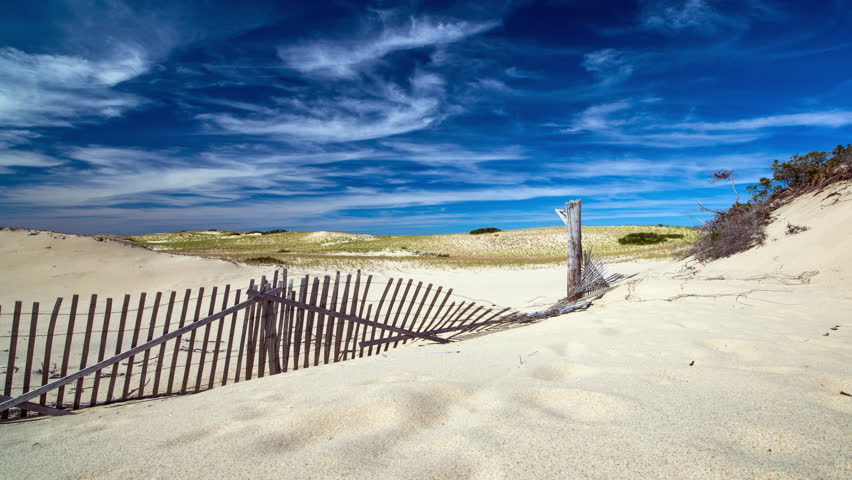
[(168, 348)]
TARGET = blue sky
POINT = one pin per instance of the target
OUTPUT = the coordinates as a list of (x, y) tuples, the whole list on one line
[(405, 117)]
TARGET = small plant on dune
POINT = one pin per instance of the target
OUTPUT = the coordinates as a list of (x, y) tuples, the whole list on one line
[(480, 231), (794, 229)]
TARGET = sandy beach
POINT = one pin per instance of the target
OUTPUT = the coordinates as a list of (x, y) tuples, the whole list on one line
[(686, 371)]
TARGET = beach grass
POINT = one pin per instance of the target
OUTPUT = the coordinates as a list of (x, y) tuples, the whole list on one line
[(534, 246)]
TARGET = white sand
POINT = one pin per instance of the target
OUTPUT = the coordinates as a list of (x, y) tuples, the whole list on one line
[(605, 393)]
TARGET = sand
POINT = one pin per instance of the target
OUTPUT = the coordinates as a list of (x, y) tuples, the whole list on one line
[(689, 371)]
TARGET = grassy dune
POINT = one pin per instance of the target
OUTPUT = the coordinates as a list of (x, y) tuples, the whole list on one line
[(511, 247)]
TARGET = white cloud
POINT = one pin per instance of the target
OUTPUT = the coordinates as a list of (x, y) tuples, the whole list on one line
[(597, 118), (341, 59), (56, 90), (15, 158), (9, 138), (615, 123), (607, 65), (117, 175), (831, 119), (447, 154), (390, 111), (681, 15)]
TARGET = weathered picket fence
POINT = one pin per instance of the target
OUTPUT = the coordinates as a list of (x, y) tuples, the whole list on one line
[(200, 340)]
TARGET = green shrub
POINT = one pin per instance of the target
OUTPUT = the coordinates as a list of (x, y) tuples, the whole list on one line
[(480, 231), (264, 261), (270, 232), (803, 172), (642, 238)]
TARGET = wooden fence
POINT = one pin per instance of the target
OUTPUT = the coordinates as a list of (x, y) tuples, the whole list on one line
[(178, 344)]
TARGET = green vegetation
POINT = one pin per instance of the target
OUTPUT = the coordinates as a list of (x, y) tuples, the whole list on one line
[(646, 238), (480, 231), (351, 250), (264, 261), (742, 226)]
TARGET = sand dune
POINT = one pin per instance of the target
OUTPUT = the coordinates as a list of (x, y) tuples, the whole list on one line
[(718, 371)]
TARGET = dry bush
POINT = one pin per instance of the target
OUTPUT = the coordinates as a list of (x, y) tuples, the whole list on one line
[(732, 231)]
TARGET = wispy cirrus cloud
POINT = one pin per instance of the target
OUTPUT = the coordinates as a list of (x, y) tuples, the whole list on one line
[(608, 66), (342, 58), (120, 175), (58, 90), (677, 15), (830, 119), (16, 158), (628, 122), (371, 111)]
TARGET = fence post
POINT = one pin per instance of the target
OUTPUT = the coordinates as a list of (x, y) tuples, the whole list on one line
[(270, 336), (571, 216)]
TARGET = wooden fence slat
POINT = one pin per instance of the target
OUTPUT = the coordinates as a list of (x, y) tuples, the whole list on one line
[(270, 340), (388, 314), (418, 327), (205, 341), (362, 329), (45, 366), (461, 314), (300, 319), (262, 312), (365, 328), (218, 339), (329, 328), (478, 325), (162, 353), (28, 366), (189, 351), (251, 347), (243, 339), (434, 319), (10, 363), (140, 312), (288, 325), (147, 356), (176, 350), (282, 311), (492, 320), (401, 306), (377, 318), (101, 351), (448, 314), (121, 324), (350, 327), (309, 325), (231, 333), (66, 353), (408, 312), (320, 338), (340, 327), (84, 356)]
